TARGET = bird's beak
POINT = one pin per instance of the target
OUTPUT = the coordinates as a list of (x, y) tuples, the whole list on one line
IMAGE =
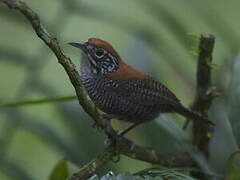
[(80, 45)]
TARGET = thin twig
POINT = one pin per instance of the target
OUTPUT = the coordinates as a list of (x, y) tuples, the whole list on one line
[(125, 146)]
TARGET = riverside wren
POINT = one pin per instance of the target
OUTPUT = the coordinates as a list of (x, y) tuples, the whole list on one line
[(122, 91)]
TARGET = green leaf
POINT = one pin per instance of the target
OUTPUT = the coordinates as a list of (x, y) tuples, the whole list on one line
[(233, 166), (60, 171), (40, 101)]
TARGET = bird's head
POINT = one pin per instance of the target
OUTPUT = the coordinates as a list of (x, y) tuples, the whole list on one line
[(101, 55)]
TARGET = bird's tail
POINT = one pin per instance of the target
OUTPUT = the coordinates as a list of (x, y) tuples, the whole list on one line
[(194, 115)]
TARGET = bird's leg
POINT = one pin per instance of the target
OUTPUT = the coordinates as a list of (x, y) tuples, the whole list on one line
[(108, 127), (108, 118), (125, 130)]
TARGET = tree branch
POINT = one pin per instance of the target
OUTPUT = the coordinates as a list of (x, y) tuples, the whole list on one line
[(124, 145), (91, 167), (205, 92)]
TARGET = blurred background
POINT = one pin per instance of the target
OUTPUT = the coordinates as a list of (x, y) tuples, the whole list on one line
[(158, 37)]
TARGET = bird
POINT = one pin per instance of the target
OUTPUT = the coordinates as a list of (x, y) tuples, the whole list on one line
[(123, 92)]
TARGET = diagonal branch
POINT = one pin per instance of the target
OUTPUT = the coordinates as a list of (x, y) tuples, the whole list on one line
[(65, 61)]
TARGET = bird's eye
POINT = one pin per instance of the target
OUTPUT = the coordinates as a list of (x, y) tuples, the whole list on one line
[(99, 53)]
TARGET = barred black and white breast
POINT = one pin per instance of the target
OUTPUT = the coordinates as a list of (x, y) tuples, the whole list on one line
[(129, 100), (122, 91)]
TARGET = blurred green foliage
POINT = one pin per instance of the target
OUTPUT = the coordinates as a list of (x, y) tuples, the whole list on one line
[(154, 36), (233, 166), (60, 171)]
